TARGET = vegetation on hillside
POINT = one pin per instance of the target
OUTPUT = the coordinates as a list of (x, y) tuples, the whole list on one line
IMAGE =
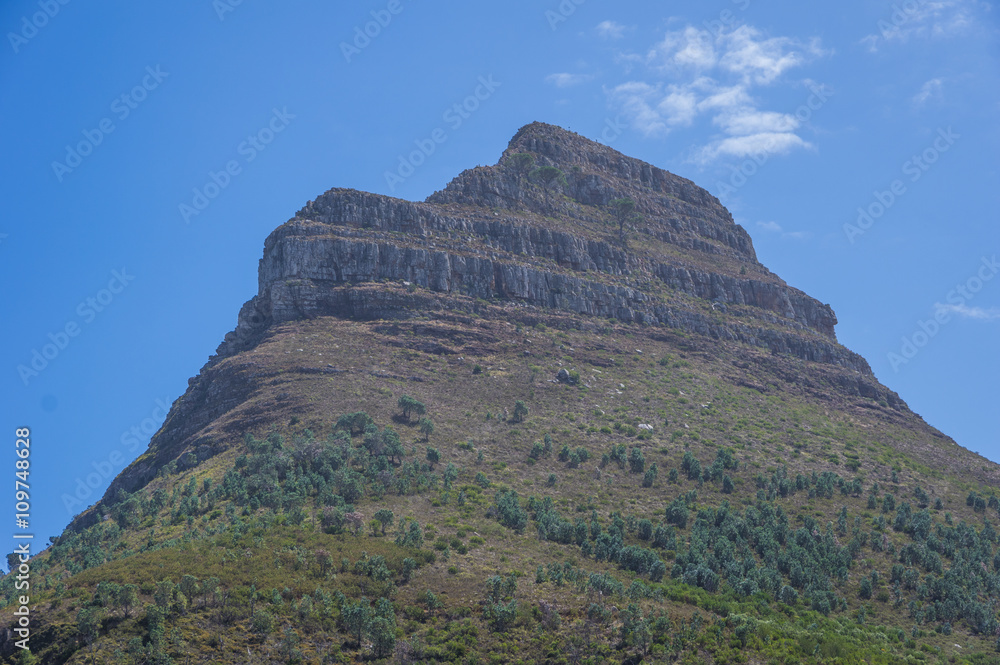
[(650, 511)]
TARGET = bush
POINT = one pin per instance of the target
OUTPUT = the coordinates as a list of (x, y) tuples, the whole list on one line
[(509, 511), (426, 426), (262, 622), (433, 456), (636, 461), (650, 477)]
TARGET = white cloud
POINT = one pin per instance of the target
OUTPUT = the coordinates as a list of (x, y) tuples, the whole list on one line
[(700, 74), (680, 106), (690, 48), (925, 19), (567, 80), (764, 60), (749, 121), (610, 30), (977, 313), (774, 227), (928, 91), (762, 143), (722, 98)]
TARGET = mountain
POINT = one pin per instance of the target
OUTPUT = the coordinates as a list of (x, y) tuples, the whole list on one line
[(557, 412)]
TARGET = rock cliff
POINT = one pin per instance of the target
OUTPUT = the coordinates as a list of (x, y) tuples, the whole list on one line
[(492, 234)]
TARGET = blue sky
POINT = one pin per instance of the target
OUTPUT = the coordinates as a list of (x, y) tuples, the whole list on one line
[(149, 150)]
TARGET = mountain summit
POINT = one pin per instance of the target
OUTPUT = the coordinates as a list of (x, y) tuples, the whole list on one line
[(557, 412)]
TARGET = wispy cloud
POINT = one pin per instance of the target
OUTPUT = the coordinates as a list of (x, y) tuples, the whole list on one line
[(715, 76), (928, 91), (563, 80), (925, 19), (610, 30), (965, 311), (774, 227)]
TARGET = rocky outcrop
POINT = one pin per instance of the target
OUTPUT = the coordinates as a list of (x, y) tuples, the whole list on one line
[(491, 235)]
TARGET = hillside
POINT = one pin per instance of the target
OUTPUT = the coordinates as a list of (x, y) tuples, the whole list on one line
[(556, 413)]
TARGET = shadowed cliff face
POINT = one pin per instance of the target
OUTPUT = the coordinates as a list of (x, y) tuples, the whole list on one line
[(494, 234)]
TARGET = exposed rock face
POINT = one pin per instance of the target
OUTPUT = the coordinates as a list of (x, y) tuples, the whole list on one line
[(490, 234)]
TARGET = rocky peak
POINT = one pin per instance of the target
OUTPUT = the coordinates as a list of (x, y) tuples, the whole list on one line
[(674, 208), (495, 234)]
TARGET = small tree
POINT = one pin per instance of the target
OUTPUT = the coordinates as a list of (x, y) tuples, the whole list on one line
[(426, 428), (433, 456), (411, 405), (650, 477), (355, 521), (382, 628), (354, 423), (450, 475), (325, 561), (189, 586), (520, 411), (637, 461), (356, 618), (128, 597), (88, 624), (548, 177), (624, 214), (209, 587), (164, 594), (25, 657), (383, 634), (385, 518), (262, 623)]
